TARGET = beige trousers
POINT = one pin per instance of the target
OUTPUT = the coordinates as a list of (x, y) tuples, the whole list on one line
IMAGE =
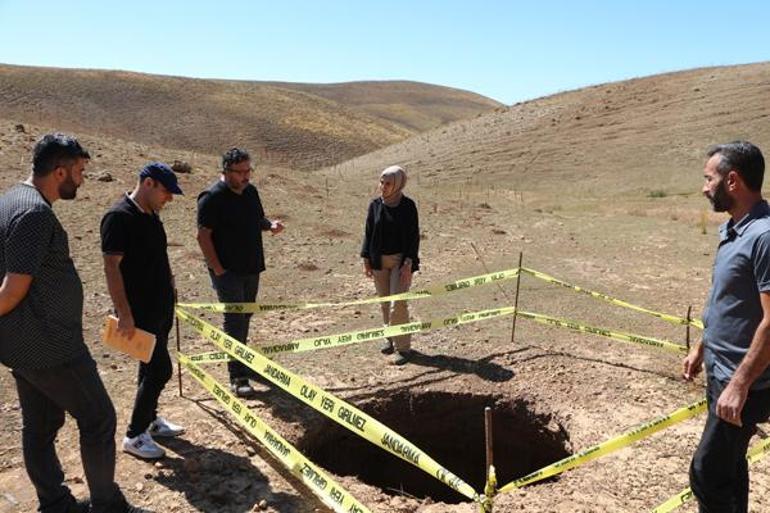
[(387, 281)]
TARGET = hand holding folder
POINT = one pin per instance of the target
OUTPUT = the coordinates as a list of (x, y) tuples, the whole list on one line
[(139, 346)]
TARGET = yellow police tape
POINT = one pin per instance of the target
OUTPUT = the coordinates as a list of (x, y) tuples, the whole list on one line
[(616, 335), (465, 283), (333, 407), (330, 493), (609, 446), (366, 335), (754, 454), (355, 337), (619, 302), (213, 357), (371, 334), (486, 502)]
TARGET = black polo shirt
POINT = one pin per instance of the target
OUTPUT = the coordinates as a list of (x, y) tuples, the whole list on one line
[(141, 239), (237, 222)]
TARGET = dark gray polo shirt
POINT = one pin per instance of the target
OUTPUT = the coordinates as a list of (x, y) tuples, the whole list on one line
[(45, 329), (733, 310)]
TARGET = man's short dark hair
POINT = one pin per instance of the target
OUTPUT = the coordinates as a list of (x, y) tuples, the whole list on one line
[(55, 150), (234, 156), (745, 158)]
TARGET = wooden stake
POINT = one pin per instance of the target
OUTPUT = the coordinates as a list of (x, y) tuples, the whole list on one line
[(489, 443), (516, 300), (687, 334), (491, 485), (486, 269), (178, 347)]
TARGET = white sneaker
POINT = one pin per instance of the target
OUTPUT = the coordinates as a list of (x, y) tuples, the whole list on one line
[(161, 427), (143, 446)]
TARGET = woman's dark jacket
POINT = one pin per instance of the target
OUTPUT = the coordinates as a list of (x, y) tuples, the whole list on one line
[(395, 228)]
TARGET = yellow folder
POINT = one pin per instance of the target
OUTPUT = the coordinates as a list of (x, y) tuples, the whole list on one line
[(140, 346)]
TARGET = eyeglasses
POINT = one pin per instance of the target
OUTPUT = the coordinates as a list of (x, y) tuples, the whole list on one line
[(248, 170)]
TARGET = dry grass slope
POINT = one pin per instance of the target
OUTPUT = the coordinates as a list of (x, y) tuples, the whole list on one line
[(286, 125), (640, 134), (413, 105)]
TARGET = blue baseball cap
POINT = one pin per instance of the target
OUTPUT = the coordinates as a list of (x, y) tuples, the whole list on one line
[(162, 173)]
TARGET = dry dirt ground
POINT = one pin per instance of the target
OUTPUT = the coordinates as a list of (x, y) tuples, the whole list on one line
[(553, 390)]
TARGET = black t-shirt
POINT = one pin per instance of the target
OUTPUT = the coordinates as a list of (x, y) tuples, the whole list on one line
[(237, 222), (146, 272)]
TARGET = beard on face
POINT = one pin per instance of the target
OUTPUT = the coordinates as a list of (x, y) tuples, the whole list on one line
[(720, 200), (68, 189)]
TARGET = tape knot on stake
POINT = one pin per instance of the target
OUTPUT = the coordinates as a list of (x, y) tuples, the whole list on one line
[(490, 490)]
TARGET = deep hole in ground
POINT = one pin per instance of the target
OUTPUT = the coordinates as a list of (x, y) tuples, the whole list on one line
[(450, 429)]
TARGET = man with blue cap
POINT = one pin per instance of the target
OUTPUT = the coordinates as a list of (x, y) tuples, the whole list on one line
[(141, 287), (41, 328)]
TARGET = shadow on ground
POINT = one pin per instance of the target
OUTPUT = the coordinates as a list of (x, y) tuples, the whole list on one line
[(214, 480), (483, 368)]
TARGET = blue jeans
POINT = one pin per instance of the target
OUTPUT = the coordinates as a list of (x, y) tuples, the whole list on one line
[(232, 287), (719, 472), (153, 377), (44, 395)]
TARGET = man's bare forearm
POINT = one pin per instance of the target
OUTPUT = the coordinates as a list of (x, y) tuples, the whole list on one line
[(206, 244), (757, 358), (116, 287)]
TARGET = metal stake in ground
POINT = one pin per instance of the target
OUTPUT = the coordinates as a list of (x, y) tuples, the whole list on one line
[(488, 442), (687, 332), (491, 487), (178, 347), (516, 299)]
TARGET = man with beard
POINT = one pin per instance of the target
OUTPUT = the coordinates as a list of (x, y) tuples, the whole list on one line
[(41, 335), (230, 225), (736, 340), (141, 286)]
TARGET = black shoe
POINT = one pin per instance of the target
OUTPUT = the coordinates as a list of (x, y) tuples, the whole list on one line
[(259, 378), (241, 388), (119, 504), (81, 506), (387, 347), (401, 357)]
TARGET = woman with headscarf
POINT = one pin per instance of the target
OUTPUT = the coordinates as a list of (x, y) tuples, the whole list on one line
[(389, 252)]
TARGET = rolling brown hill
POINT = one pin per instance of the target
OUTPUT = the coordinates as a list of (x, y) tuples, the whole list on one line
[(286, 124), (413, 105), (637, 135)]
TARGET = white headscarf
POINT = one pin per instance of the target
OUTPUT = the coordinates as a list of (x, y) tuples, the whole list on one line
[(398, 175)]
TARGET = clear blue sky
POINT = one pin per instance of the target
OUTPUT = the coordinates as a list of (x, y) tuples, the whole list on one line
[(510, 51)]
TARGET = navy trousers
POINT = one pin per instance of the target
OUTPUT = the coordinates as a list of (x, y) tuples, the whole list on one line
[(232, 287)]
